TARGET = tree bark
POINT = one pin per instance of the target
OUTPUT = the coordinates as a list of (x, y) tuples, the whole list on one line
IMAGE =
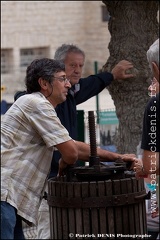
[(133, 27)]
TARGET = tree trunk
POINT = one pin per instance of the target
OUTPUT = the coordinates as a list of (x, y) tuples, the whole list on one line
[(133, 27)]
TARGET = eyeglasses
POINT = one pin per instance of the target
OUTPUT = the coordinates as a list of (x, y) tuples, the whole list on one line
[(63, 79)]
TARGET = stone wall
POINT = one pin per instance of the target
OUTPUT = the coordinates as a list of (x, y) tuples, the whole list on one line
[(35, 24)]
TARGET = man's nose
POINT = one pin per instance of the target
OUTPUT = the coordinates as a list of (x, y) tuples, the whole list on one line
[(78, 69), (68, 84)]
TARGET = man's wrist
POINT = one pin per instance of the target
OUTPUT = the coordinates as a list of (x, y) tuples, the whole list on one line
[(119, 158), (113, 75), (143, 171)]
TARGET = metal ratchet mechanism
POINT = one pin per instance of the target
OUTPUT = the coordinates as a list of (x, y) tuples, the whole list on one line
[(96, 171)]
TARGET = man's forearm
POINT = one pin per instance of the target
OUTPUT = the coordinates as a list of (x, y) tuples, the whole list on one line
[(150, 162), (104, 155)]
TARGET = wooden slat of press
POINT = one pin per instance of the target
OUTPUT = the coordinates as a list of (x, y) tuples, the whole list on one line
[(102, 211), (131, 209), (140, 208), (64, 212), (136, 208), (141, 212), (144, 211), (109, 211), (117, 209), (50, 210), (94, 211), (86, 211), (125, 216), (59, 211), (54, 227), (71, 211), (78, 211)]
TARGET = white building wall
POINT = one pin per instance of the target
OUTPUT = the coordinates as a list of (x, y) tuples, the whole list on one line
[(32, 24)]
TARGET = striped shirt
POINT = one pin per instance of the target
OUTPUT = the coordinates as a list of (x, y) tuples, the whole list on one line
[(29, 131)]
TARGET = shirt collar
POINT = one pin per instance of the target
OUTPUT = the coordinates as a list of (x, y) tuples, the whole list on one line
[(74, 89)]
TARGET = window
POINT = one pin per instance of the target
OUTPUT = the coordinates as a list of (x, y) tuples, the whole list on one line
[(105, 14), (6, 61), (28, 55)]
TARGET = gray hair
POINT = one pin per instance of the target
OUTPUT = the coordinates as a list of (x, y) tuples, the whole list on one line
[(64, 49), (153, 53)]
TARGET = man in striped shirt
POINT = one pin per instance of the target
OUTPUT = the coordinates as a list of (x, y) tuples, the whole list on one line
[(30, 131)]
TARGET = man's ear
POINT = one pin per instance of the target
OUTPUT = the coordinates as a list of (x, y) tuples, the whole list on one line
[(43, 83), (155, 70)]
